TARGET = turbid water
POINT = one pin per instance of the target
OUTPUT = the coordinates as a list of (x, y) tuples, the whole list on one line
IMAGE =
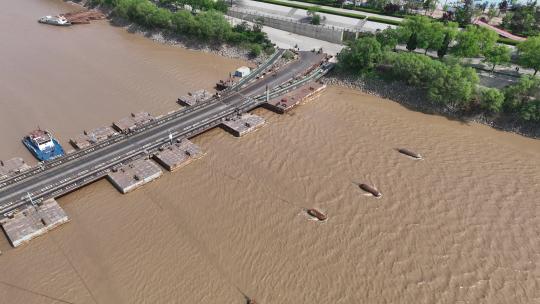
[(460, 226)]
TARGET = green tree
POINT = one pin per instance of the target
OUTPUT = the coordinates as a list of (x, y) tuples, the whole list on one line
[(143, 12), (212, 26), (388, 38), (413, 42), (474, 41), (465, 13), (415, 69), (453, 85), (418, 28), (255, 50), (435, 36), (529, 53), (451, 31), (531, 111), (312, 12), (491, 100), (183, 22), (523, 19), (499, 54), (361, 54), (521, 93), (161, 18)]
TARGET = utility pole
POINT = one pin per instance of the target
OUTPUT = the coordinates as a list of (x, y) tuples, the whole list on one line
[(31, 200)]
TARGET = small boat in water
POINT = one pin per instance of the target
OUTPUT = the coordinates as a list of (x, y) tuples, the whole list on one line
[(370, 189), (55, 20), (410, 153), (43, 145), (317, 214)]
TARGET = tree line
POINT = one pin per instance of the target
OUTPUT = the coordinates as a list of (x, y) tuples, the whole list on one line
[(445, 81), (419, 32), (208, 24)]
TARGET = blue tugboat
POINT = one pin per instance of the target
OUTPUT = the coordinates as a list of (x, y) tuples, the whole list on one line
[(43, 145)]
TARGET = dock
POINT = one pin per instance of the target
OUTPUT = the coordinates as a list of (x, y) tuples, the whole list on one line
[(293, 98), (129, 177), (243, 124), (93, 136), (177, 155), (33, 221), (193, 98), (133, 121), (12, 166)]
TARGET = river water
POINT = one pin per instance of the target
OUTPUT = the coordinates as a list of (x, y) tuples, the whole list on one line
[(460, 226)]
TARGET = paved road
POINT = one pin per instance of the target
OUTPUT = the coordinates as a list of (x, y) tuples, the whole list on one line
[(112, 155), (301, 14)]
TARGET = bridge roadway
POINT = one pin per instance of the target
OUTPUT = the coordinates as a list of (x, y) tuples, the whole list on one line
[(75, 173)]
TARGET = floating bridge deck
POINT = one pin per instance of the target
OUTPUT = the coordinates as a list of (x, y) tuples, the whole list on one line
[(121, 155)]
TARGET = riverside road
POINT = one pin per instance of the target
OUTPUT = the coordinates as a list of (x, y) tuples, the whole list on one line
[(70, 174)]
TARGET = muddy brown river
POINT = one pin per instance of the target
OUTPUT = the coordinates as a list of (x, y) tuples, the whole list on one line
[(460, 226)]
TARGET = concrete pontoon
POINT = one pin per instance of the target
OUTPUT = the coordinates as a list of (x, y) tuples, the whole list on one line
[(243, 124), (178, 154), (33, 221), (12, 166), (129, 123), (93, 136), (293, 98), (193, 98), (135, 174)]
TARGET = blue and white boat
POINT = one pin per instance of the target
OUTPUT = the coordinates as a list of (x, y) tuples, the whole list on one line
[(43, 145)]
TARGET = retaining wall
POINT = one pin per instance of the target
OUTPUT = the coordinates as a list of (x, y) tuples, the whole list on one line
[(321, 32)]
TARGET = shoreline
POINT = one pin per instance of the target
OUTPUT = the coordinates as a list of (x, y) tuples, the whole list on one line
[(412, 98), (172, 39), (415, 99)]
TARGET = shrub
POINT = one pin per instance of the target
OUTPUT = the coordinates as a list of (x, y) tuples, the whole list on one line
[(453, 85), (531, 111), (255, 50), (361, 55), (491, 100)]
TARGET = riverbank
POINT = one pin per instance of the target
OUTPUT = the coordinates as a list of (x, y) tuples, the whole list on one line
[(413, 98), (173, 39), (416, 99)]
